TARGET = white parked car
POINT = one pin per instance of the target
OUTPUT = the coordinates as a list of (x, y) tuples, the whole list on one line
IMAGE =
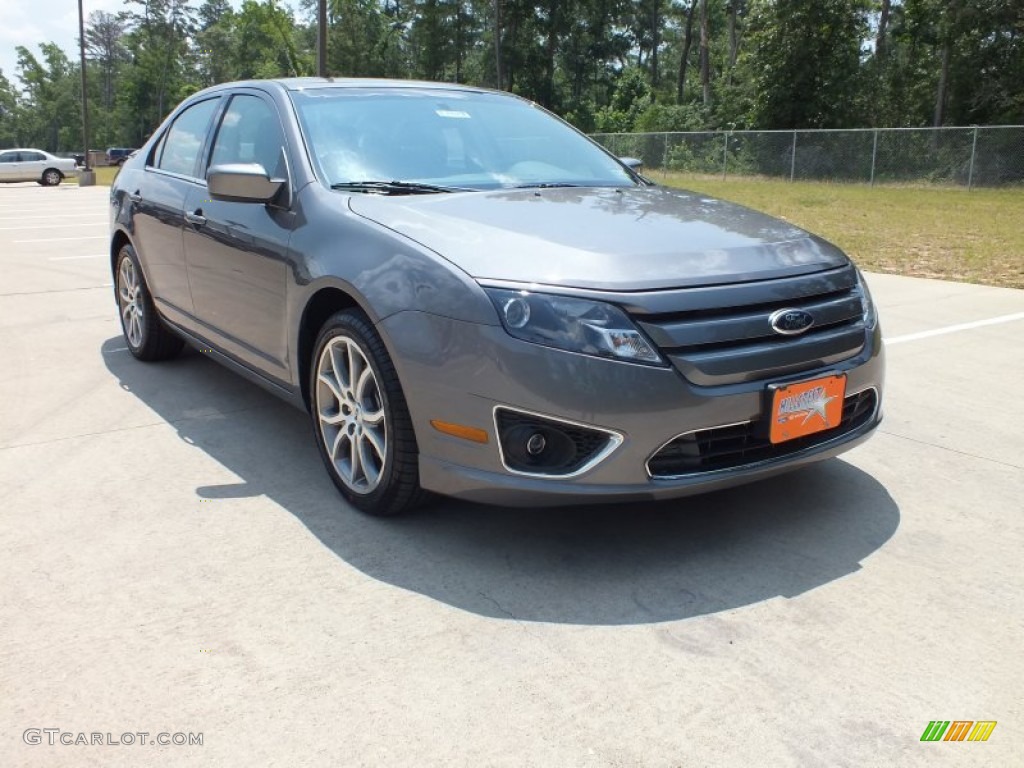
[(35, 165)]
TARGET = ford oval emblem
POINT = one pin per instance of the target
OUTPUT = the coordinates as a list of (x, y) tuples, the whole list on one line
[(790, 322)]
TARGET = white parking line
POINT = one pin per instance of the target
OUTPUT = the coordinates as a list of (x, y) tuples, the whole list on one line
[(84, 256), (954, 328), (4, 218), (44, 208), (57, 226), (55, 239)]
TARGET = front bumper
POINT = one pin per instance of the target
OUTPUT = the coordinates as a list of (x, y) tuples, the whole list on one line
[(458, 372)]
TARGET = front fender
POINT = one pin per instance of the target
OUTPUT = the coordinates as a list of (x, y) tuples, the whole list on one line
[(381, 271)]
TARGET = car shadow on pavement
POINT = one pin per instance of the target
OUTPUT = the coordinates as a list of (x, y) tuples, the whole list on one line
[(592, 565)]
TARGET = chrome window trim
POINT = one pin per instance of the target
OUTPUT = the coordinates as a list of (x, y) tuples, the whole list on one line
[(615, 439), (169, 123)]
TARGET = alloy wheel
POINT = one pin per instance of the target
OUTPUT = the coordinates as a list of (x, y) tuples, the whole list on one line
[(52, 178), (351, 417), (128, 290)]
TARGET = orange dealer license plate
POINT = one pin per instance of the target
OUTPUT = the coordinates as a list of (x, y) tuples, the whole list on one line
[(806, 407)]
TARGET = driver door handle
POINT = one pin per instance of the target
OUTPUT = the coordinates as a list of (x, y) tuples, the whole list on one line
[(196, 219)]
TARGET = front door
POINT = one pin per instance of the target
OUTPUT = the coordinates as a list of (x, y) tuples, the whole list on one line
[(237, 252), (9, 165)]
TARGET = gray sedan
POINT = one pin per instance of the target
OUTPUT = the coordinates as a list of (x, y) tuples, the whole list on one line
[(470, 297)]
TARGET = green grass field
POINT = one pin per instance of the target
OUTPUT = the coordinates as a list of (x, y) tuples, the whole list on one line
[(939, 232), (105, 175)]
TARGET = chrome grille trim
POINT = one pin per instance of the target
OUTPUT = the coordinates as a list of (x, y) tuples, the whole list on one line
[(733, 342), (872, 419), (746, 325)]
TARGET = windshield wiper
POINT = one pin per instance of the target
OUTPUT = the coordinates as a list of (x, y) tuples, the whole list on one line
[(396, 187), (545, 185)]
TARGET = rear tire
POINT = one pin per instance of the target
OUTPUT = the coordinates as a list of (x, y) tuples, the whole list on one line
[(145, 334), (51, 177), (360, 418)]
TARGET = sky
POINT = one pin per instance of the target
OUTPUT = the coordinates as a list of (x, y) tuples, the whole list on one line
[(31, 22)]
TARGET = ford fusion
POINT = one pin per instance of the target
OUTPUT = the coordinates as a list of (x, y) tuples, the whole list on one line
[(472, 298)]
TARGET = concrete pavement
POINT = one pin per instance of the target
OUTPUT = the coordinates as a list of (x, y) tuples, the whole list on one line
[(174, 559)]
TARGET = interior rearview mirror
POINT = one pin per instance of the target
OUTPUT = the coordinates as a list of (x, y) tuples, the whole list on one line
[(242, 183)]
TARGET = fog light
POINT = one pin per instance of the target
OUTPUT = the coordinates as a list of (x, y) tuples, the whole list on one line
[(540, 446), (537, 446)]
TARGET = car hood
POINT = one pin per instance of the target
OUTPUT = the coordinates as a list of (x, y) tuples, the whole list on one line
[(631, 239)]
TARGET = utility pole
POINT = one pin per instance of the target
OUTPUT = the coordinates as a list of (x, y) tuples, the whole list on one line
[(321, 38), (87, 178)]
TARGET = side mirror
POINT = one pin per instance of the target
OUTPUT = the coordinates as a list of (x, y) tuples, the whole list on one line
[(242, 183), (632, 162)]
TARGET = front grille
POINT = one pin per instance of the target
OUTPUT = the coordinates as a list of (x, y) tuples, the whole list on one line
[(741, 444), (568, 447), (733, 341)]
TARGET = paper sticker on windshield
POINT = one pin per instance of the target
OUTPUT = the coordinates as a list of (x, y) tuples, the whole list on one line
[(453, 113)]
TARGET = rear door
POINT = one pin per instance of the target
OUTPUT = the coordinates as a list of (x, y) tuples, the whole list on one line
[(158, 198), (237, 252)]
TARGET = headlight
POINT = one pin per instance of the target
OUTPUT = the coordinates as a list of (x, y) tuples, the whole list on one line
[(576, 325), (866, 302)]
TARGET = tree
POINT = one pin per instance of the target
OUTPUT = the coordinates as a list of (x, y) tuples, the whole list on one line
[(595, 48), (705, 53), (162, 70), (8, 113), (805, 62), (103, 34), (603, 64), (49, 96), (262, 42)]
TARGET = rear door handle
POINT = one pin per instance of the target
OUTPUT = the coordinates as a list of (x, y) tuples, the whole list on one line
[(195, 219)]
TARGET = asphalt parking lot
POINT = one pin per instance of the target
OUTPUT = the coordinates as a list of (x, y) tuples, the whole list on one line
[(174, 559)]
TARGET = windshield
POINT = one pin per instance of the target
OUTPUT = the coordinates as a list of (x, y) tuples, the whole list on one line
[(457, 139)]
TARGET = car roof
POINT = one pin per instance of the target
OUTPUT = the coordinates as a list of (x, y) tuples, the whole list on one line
[(307, 83), (302, 83), (24, 149)]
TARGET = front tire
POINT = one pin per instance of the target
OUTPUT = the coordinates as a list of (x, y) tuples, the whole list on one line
[(360, 418), (147, 337), (51, 177)]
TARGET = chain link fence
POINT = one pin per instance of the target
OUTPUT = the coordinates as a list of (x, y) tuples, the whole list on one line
[(975, 156)]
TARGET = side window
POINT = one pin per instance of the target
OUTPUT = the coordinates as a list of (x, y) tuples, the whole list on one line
[(185, 138), (33, 156), (8, 157), (154, 154), (250, 133)]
